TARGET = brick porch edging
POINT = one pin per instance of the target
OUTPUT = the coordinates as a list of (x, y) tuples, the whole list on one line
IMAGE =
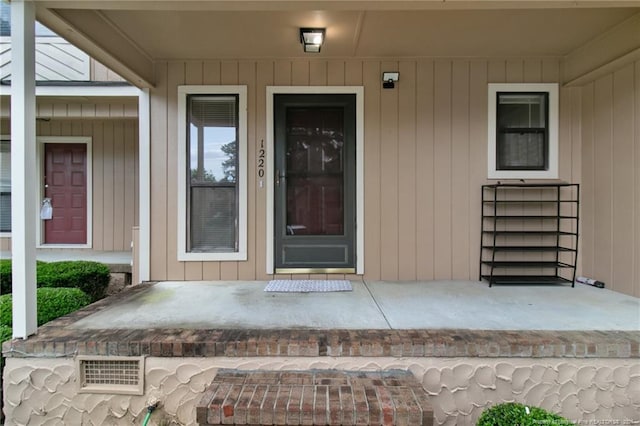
[(57, 338), (315, 397)]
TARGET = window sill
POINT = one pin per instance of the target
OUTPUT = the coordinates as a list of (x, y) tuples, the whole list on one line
[(522, 174), (212, 257)]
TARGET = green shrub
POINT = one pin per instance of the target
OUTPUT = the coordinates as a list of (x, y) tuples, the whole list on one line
[(512, 413), (6, 277), (6, 319), (90, 277), (6, 333), (52, 303)]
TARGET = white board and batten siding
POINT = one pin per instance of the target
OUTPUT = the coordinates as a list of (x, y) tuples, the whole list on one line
[(611, 179), (425, 156), (115, 175)]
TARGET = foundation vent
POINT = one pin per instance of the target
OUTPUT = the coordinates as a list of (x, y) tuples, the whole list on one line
[(114, 375)]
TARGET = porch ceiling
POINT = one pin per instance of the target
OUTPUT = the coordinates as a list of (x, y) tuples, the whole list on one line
[(129, 36)]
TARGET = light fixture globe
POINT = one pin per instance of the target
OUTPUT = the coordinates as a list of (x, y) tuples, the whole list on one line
[(312, 39)]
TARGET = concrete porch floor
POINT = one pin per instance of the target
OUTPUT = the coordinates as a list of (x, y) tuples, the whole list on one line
[(371, 305)]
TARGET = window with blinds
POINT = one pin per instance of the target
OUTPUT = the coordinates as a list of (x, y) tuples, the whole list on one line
[(5, 186), (212, 173), (522, 132)]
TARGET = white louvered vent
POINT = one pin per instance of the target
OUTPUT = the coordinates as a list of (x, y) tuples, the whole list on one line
[(114, 375)]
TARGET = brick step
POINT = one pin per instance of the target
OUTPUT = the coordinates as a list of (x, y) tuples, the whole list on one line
[(316, 397)]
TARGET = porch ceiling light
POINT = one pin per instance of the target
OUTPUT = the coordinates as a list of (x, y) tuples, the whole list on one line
[(312, 39)]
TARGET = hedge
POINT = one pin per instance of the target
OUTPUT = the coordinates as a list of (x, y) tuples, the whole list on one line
[(513, 413), (52, 303), (90, 277)]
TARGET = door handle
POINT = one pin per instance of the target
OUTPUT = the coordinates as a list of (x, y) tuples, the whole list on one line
[(279, 176)]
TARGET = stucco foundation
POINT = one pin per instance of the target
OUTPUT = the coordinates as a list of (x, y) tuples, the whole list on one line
[(44, 391)]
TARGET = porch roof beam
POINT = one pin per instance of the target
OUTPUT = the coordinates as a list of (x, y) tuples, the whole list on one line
[(23, 163), (90, 31), (267, 5), (610, 51)]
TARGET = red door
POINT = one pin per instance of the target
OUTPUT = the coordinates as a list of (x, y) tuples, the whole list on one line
[(66, 185)]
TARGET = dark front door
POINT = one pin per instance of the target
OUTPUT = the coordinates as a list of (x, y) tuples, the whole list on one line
[(65, 179), (315, 183)]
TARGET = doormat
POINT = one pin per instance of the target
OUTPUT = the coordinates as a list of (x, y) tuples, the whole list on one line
[(307, 286)]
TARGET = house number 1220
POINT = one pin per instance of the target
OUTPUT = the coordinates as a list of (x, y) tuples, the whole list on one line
[(261, 156)]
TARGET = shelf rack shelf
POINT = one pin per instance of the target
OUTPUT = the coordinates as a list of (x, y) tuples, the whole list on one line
[(529, 233)]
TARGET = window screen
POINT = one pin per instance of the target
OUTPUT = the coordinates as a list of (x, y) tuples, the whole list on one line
[(522, 131), (5, 186), (213, 173)]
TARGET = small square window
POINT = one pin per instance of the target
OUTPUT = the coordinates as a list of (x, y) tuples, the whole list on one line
[(523, 141)]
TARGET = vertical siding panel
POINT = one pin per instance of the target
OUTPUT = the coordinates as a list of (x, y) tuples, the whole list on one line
[(372, 178), (460, 170), (98, 185), (587, 201), (335, 73), (576, 156), (229, 270), (515, 71), (300, 73), (353, 73), (264, 78), (425, 171), (623, 180), (211, 72), (175, 77), (407, 171), (130, 143), (74, 110), (532, 71), (108, 188), (477, 157), (389, 178), (44, 109), (442, 168), (88, 110), (159, 204), (102, 110), (636, 168), (194, 74), (565, 152), (247, 76), (603, 179), (282, 73), (118, 187), (318, 73), (550, 70)]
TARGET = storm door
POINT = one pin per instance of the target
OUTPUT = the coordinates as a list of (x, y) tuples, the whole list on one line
[(315, 183)]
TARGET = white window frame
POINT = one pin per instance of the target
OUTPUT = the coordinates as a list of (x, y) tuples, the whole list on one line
[(553, 127), (183, 92)]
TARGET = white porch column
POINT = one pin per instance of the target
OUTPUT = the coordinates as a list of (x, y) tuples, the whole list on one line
[(144, 219), (23, 166)]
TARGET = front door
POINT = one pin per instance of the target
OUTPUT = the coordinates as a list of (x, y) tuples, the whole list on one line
[(315, 181), (65, 179)]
